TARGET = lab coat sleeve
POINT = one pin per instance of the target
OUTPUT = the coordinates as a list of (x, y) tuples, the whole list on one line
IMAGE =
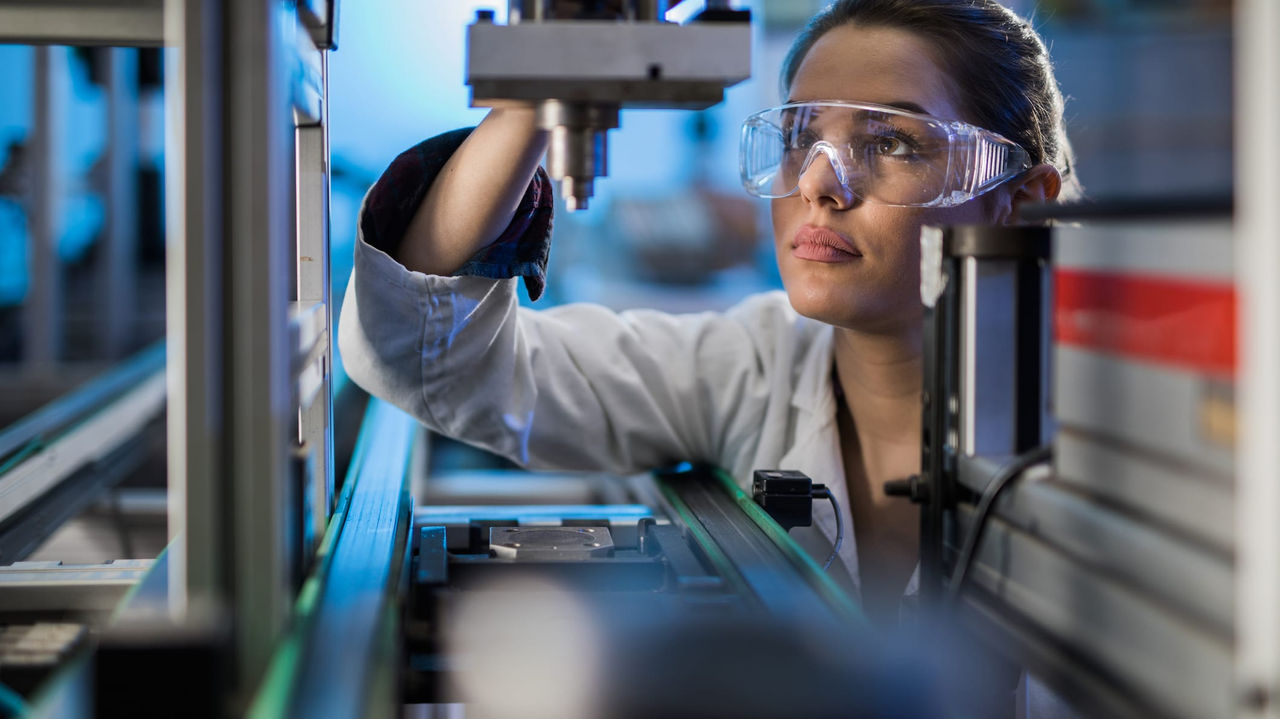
[(576, 387), (521, 249)]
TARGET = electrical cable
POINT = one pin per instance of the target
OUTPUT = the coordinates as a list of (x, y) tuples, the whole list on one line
[(1014, 469), (820, 492)]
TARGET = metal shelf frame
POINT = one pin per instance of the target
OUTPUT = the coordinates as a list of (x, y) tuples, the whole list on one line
[(1257, 215), (248, 312), (249, 320), (126, 23)]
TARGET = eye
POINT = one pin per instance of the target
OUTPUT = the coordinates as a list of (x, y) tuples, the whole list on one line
[(889, 145), (802, 140)]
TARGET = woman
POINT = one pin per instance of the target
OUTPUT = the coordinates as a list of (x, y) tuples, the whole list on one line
[(888, 101)]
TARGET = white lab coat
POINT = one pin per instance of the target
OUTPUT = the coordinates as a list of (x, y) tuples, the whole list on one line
[(579, 387)]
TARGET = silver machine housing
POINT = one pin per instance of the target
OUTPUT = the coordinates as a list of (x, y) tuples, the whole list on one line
[(579, 73)]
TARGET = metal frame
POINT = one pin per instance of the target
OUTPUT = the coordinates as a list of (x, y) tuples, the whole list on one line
[(333, 663), (136, 23), (57, 458), (249, 357), (747, 546), (239, 351), (1257, 163), (1105, 591), (37, 521), (193, 166), (975, 270), (117, 303), (42, 316), (1097, 625), (259, 161), (88, 442), (67, 22), (40, 586), (314, 287), (65, 411)]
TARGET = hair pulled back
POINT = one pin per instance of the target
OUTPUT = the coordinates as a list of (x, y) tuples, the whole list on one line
[(996, 61)]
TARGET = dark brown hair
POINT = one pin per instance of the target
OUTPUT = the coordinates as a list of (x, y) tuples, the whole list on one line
[(996, 61)]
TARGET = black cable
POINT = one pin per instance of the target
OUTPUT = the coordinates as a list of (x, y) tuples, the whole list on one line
[(1003, 478), (820, 492)]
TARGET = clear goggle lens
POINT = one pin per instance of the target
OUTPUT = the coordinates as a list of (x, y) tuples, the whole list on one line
[(879, 154)]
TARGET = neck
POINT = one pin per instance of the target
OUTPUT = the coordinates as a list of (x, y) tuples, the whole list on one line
[(881, 376)]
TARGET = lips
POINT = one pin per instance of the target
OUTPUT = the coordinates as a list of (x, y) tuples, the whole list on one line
[(823, 244)]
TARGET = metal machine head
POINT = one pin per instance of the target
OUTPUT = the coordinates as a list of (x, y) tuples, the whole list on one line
[(580, 67)]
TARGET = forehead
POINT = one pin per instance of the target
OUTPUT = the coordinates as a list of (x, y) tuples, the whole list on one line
[(886, 66)]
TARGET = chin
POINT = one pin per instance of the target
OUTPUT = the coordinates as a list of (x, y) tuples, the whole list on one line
[(854, 310), (824, 304)]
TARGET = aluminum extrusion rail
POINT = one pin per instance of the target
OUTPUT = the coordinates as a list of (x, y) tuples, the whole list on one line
[(1067, 620), (131, 23), (54, 462), (338, 661), (40, 586), (744, 544), (74, 406)]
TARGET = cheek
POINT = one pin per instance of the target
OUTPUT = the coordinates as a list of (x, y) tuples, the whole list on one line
[(899, 237), (786, 215), (908, 226)]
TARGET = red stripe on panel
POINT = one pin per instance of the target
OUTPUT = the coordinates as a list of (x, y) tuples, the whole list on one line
[(1181, 322)]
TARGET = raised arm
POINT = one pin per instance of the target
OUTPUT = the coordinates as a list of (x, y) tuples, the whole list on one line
[(476, 194)]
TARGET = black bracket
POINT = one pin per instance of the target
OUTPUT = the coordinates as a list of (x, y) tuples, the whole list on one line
[(915, 488), (787, 496)]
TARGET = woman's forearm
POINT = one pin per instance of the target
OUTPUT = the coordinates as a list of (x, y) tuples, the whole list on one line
[(476, 194)]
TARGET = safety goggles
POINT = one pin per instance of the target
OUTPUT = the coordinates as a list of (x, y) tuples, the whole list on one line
[(879, 154)]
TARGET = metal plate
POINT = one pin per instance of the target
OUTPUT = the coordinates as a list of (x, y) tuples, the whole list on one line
[(543, 543)]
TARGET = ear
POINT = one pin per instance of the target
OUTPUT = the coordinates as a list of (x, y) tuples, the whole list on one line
[(1041, 183)]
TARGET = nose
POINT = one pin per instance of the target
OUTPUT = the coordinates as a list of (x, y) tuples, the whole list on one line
[(824, 178)]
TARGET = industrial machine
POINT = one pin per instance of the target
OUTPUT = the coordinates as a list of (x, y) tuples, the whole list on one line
[(1077, 488), (1098, 514), (580, 63)]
